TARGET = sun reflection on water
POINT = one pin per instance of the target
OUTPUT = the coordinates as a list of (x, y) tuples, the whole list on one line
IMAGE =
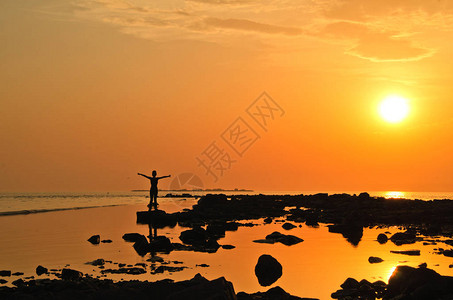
[(394, 195), (390, 273)]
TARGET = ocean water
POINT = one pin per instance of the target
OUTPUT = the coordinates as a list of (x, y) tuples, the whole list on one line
[(26, 203)]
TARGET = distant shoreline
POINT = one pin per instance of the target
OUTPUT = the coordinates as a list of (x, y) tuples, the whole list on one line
[(199, 190)]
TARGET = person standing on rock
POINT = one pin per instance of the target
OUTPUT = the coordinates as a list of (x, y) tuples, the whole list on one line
[(153, 190)]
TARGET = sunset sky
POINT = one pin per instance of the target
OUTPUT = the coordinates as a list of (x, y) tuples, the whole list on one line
[(94, 91)]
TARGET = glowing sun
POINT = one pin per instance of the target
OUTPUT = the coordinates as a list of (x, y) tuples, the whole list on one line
[(394, 108)]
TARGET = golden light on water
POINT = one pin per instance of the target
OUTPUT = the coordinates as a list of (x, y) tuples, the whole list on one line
[(390, 273), (394, 194), (394, 109)]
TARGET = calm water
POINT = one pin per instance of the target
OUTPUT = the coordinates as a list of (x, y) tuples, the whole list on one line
[(313, 268), (19, 203)]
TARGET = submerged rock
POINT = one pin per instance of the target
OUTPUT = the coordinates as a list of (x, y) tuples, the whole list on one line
[(277, 237), (406, 252), (402, 238), (382, 238), (288, 226), (268, 270)]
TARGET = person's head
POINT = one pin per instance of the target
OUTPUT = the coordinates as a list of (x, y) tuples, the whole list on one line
[(154, 173)]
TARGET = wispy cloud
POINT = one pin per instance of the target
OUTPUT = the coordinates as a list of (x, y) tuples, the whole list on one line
[(373, 30)]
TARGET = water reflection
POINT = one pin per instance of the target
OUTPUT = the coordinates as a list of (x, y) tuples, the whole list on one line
[(394, 195)]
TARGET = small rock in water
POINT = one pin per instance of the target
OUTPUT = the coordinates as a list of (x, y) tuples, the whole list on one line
[(5, 273), (228, 247), (95, 239), (288, 226), (41, 270), (18, 274), (407, 252), (423, 265), (3, 281), (382, 238), (18, 282), (268, 270), (106, 241), (97, 262), (203, 265), (375, 260)]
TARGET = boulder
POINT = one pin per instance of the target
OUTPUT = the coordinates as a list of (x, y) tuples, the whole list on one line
[(268, 270), (350, 283), (288, 240), (70, 274), (141, 246), (405, 280), (193, 236), (402, 238), (95, 239), (211, 290), (41, 270), (160, 244), (382, 238)]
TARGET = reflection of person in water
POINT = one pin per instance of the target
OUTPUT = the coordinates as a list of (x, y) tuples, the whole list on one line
[(153, 190)]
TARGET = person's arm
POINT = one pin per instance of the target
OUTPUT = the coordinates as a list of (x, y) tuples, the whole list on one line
[(164, 176), (143, 175)]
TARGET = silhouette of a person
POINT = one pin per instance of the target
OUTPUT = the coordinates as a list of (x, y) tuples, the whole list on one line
[(153, 190)]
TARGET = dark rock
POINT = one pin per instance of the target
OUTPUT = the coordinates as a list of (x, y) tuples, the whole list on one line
[(423, 265), (41, 270), (288, 226), (228, 247), (406, 280), (18, 274), (402, 238), (157, 218), (203, 265), (277, 237), (19, 282), (169, 269), (382, 238), (350, 283), (5, 273), (141, 246), (193, 236), (268, 270), (106, 241), (160, 244), (374, 260), (231, 226), (3, 281), (407, 252), (351, 232), (70, 274), (215, 230), (130, 271), (95, 239), (216, 289), (448, 253), (267, 220), (132, 237)]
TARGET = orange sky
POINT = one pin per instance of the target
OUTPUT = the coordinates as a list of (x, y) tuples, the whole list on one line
[(93, 92)]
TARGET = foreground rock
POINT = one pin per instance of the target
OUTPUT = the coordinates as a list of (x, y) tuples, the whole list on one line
[(90, 288), (268, 270)]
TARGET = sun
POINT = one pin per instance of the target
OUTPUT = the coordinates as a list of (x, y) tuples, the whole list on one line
[(394, 109)]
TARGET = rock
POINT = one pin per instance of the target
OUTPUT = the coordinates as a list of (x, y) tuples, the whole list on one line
[(375, 260), (351, 232), (161, 244), (402, 238), (406, 252), (423, 265), (97, 262), (267, 220), (448, 253), (95, 239), (288, 226), (3, 281), (276, 236), (216, 289), (203, 265), (18, 274), (157, 218), (130, 271), (231, 226), (228, 247), (382, 238), (268, 270), (19, 282), (5, 273), (405, 280), (132, 237), (216, 230), (141, 246), (41, 270), (350, 283), (70, 274), (106, 241), (193, 236)]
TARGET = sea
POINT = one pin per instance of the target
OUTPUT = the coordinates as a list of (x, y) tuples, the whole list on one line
[(28, 203)]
